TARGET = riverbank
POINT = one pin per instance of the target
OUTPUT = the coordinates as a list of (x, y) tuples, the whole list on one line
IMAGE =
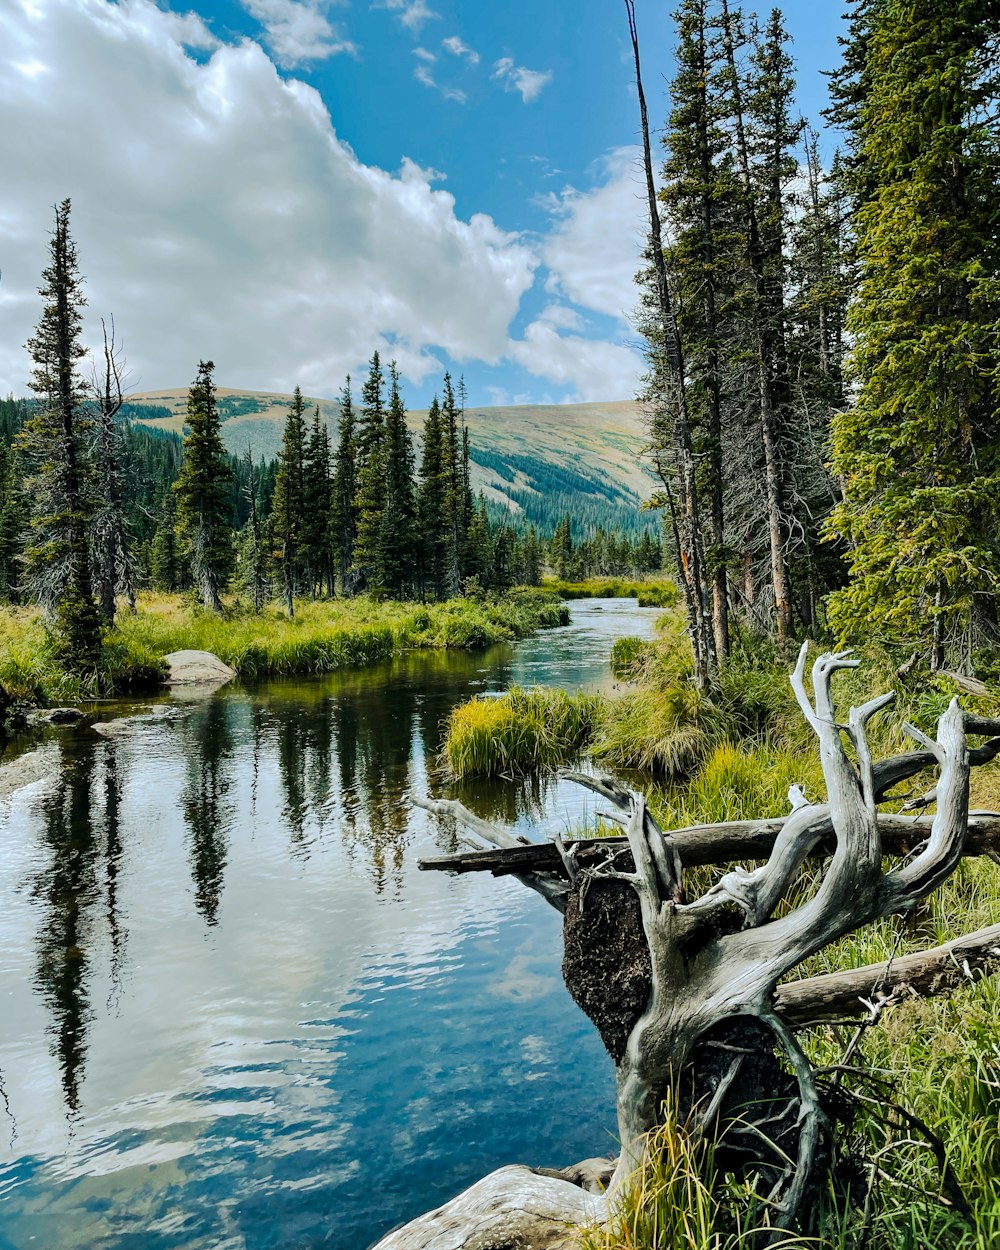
[(323, 637)]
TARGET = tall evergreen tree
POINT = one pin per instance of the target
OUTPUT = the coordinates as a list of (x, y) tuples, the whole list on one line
[(453, 486), (918, 452), (202, 493), (111, 537), (371, 478), (317, 505), (55, 445), (397, 534), (344, 491), (13, 523), (431, 506), (288, 506)]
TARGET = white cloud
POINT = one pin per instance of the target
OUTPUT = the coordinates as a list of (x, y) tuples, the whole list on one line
[(529, 82), (594, 249), (423, 74), (298, 32), (412, 13), (596, 369), (562, 316), (456, 47), (218, 215), (424, 54)]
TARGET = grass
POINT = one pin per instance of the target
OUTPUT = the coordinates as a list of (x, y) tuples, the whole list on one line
[(654, 592), (322, 638), (520, 731)]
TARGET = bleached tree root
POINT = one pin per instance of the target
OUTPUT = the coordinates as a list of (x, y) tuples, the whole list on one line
[(514, 1208), (695, 1002)]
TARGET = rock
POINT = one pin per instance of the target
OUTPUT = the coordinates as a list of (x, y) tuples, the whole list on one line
[(56, 716), (125, 725), (197, 668), (512, 1209), (26, 769)]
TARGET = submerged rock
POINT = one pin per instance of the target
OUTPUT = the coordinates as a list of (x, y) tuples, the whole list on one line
[(197, 668), (55, 716)]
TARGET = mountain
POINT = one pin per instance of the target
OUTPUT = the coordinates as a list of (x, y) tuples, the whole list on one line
[(540, 461)]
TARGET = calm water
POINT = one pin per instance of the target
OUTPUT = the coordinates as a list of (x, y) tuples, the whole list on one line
[(234, 1015)]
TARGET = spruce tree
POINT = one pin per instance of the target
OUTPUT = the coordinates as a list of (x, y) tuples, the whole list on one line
[(371, 477), (431, 506), (55, 444), (453, 486), (164, 557), (344, 490), (317, 505), (288, 506), (918, 451), (397, 532), (202, 494)]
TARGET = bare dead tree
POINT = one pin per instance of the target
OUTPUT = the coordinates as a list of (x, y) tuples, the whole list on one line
[(111, 541), (688, 994)]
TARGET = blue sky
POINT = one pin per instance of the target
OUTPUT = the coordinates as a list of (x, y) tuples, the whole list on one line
[(283, 185)]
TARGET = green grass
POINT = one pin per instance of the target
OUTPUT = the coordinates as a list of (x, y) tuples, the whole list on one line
[(520, 731), (323, 637), (654, 592)]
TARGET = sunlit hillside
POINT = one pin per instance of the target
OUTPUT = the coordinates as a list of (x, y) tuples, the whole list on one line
[(541, 460)]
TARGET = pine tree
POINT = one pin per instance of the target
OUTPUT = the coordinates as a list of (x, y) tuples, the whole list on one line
[(454, 499), (202, 494), (699, 199), (397, 532), (111, 536), (431, 506), (55, 445), (253, 546), (164, 557), (918, 451), (317, 506), (371, 479), (288, 507), (344, 491)]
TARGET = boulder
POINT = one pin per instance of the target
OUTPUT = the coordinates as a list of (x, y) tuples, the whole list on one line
[(197, 668)]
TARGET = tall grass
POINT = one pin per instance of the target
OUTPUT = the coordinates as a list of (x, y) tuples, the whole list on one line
[(521, 730)]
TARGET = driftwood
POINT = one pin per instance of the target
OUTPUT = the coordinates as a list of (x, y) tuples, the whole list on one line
[(688, 993)]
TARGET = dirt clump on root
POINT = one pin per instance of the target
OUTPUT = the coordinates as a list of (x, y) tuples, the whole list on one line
[(606, 963)]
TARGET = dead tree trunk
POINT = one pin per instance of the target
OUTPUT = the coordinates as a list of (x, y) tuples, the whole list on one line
[(661, 976)]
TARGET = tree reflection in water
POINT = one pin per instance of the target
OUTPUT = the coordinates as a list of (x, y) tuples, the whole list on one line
[(207, 813), (70, 891)]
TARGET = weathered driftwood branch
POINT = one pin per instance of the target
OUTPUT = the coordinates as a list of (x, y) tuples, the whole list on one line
[(707, 973), (939, 970), (701, 845)]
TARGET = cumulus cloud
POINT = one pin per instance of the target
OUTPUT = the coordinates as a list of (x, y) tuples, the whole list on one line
[(592, 253), (218, 215), (298, 32), (456, 47), (529, 82), (412, 13), (595, 369)]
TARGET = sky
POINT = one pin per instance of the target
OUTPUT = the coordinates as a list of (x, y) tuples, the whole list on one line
[(285, 186)]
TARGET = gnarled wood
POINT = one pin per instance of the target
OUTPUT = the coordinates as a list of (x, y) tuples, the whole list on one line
[(714, 964)]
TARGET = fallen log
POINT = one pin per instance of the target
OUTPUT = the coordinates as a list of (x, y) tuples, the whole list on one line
[(698, 845), (923, 974)]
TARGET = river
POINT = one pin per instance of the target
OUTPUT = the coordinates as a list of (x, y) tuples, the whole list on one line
[(233, 1013)]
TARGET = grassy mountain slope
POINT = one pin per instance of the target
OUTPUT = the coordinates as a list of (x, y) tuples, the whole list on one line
[(539, 461)]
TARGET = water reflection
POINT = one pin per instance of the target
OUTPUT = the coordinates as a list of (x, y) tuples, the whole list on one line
[(303, 1048), (208, 741)]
